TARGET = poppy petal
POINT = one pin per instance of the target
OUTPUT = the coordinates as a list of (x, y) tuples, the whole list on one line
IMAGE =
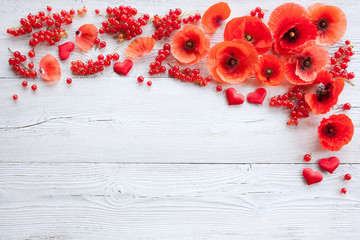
[(49, 68), (330, 21), (139, 47), (85, 36), (214, 15)]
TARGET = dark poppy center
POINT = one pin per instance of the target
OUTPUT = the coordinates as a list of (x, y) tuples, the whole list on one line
[(268, 72), (324, 92), (330, 130), (217, 20), (291, 35), (306, 63), (322, 24), (77, 32), (232, 62), (249, 38), (189, 44)]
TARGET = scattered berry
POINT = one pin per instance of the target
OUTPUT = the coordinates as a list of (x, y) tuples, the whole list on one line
[(24, 83), (307, 157), (344, 190), (69, 81), (347, 106), (34, 87), (347, 176), (149, 83), (218, 88), (15, 97), (140, 79)]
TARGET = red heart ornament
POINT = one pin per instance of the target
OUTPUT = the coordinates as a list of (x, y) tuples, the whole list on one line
[(312, 177), (329, 164), (257, 97), (65, 50), (233, 97), (123, 67)]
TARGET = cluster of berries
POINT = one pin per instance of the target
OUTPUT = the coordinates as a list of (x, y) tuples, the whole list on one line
[(157, 67), (99, 43), (192, 19), (257, 11), (17, 63), (121, 21), (81, 68), (50, 36), (165, 25), (340, 62), (295, 102), (189, 75)]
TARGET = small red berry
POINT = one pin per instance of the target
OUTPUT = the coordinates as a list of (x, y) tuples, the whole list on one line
[(31, 54), (69, 81), (34, 87), (24, 83), (218, 88), (258, 9), (299, 95), (253, 13), (347, 176), (337, 68), (97, 11), (49, 8), (343, 65), (149, 83), (307, 157), (344, 190), (140, 79), (338, 55), (15, 97), (347, 42), (350, 75), (261, 14), (333, 60), (102, 44), (347, 106)]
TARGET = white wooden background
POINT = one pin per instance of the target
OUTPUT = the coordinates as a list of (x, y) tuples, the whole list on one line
[(109, 158)]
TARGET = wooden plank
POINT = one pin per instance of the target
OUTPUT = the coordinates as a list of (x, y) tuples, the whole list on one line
[(175, 201)]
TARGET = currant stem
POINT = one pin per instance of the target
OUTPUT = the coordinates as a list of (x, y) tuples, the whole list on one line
[(350, 82)]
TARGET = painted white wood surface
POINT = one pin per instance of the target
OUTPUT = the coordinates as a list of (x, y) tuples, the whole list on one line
[(108, 158)]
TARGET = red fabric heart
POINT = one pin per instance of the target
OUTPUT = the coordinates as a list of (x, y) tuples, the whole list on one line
[(312, 177), (123, 67), (233, 97), (65, 50), (329, 164), (257, 97)]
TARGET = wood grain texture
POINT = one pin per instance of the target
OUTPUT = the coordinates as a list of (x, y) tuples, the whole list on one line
[(108, 158), (175, 201)]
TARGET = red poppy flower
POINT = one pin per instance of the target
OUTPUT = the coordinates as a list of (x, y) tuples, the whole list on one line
[(330, 22), (270, 70), (85, 36), (326, 95), (291, 29), (303, 68), (251, 29), (232, 61), (190, 45), (335, 132), (139, 47), (49, 68), (214, 16)]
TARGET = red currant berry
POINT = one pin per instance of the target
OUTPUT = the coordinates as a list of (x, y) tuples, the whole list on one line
[(253, 13), (49, 8), (102, 44), (97, 11), (15, 97), (149, 83), (347, 176), (140, 79), (333, 60), (299, 95), (350, 75), (307, 157), (261, 14), (347, 106), (24, 83), (31, 65), (69, 81), (258, 9), (31, 54), (337, 68), (218, 88), (343, 65), (338, 55), (347, 42), (34, 87), (344, 190)]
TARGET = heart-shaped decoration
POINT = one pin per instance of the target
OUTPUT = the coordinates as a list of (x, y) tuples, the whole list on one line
[(329, 164), (312, 177), (233, 97), (65, 50), (123, 67), (257, 97)]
